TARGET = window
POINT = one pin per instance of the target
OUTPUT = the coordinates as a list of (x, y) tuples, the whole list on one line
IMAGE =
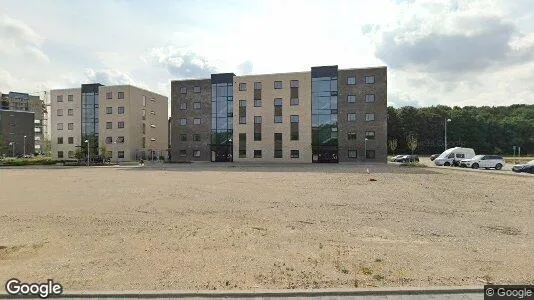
[(370, 79), (353, 154), (70, 98), (196, 89), (196, 121), (351, 98), (120, 124), (196, 153), (183, 122), (120, 95), (294, 128), (59, 112), (196, 105), (277, 153), (59, 98), (183, 90), (257, 128), (109, 110), (183, 105), (369, 117), (60, 140), (143, 103), (294, 153), (120, 140), (294, 101), (143, 114), (242, 86), (257, 103), (109, 125), (183, 137), (277, 85), (294, 84), (370, 135), (257, 86), (120, 154), (70, 140), (257, 153), (278, 145), (70, 154), (351, 80), (278, 110), (242, 120), (183, 152), (109, 140), (370, 154), (242, 153), (70, 112), (351, 117), (109, 95), (120, 110), (60, 154), (242, 103), (143, 128), (59, 126), (370, 98), (70, 126), (351, 136), (196, 137)]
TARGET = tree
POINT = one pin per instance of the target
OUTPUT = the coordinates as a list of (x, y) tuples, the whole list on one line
[(393, 145), (79, 154), (47, 147), (411, 142), (104, 152)]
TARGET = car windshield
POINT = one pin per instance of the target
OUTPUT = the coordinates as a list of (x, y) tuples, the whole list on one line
[(477, 157), (445, 154)]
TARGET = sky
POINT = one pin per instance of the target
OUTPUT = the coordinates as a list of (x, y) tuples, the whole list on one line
[(450, 52)]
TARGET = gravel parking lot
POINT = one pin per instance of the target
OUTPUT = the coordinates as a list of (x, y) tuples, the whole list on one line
[(221, 226)]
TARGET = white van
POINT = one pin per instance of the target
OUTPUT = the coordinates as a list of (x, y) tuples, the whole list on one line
[(446, 158)]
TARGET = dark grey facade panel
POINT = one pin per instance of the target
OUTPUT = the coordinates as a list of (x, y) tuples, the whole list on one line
[(190, 113), (324, 71), (222, 78), (91, 88), (14, 125)]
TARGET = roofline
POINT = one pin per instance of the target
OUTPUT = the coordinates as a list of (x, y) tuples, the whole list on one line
[(18, 111)]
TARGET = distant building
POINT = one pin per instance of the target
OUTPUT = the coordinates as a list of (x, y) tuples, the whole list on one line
[(17, 132), (322, 115), (25, 102), (130, 122)]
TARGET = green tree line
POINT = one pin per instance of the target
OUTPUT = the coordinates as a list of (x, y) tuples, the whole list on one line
[(488, 130)]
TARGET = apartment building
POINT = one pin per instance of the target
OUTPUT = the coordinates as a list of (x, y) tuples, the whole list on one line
[(25, 102), (127, 122), (326, 114), (16, 132)]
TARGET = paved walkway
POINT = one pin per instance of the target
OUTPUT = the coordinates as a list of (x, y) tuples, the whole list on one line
[(404, 293)]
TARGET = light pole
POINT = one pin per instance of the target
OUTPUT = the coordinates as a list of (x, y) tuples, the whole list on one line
[(87, 141), (13, 144), (24, 151), (447, 120), (365, 148)]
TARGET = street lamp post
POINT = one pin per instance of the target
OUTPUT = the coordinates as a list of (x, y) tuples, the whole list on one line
[(446, 121), (13, 147), (87, 141), (24, 151), (365, 148)]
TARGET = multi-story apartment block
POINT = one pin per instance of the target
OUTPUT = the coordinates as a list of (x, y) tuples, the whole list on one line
[(25, 102), (17, 132), (324, 115), (128, 122)]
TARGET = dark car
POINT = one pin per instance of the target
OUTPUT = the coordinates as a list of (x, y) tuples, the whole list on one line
[(407, 158), (524, 168), (433, 156)]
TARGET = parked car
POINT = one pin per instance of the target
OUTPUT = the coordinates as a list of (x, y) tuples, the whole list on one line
[(453, 156), (483, 161), (524, 168), (433, 156), (394, 158), (410, 158)]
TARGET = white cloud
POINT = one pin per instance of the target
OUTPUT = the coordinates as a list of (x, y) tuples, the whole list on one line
[(110, 77), (18, 39)]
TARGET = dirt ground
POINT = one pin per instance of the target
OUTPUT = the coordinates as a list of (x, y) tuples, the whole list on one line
[(218, 226)]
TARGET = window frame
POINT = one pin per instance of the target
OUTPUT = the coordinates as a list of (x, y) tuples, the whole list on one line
[(242, 86), (350, 79), (349, 115), (256, 154), (278, 85), (120, 95)]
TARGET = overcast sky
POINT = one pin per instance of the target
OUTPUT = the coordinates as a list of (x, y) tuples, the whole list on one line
[(449, 52)]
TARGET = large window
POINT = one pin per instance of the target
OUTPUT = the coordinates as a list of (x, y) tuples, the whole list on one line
[(242, 145), (324, 112), (222, 114), (257, 128), (278, 145), (294, 127), (278, 110)]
